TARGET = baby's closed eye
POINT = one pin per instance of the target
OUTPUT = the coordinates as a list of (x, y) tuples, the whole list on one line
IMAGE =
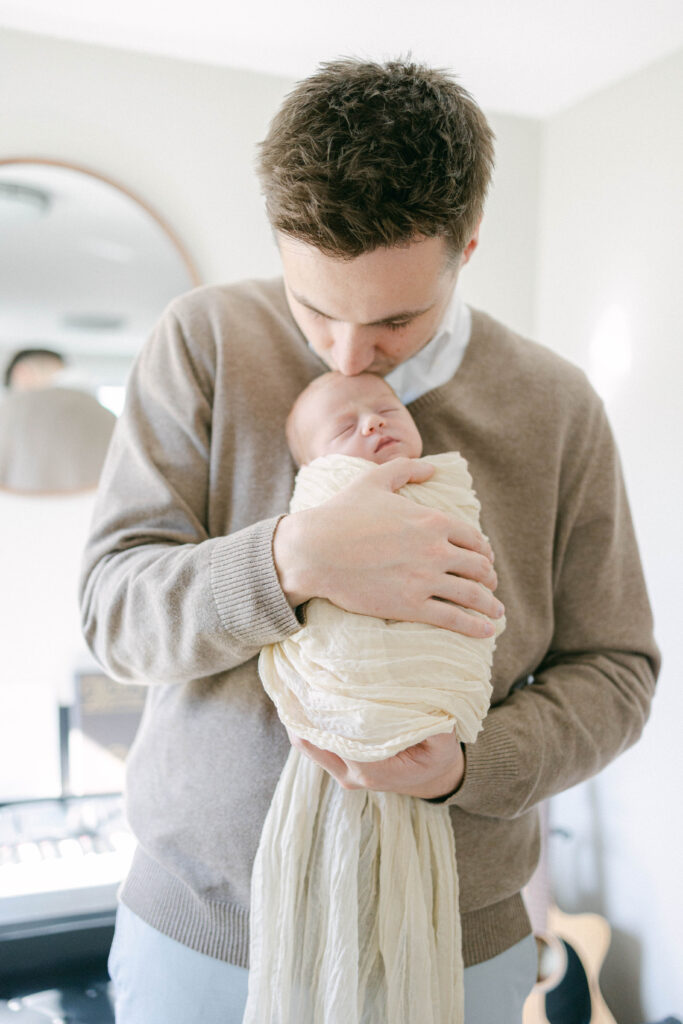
[(342, 429)]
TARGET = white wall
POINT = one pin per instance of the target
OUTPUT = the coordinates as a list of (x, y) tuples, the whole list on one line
[(501, 277), (610, 280)]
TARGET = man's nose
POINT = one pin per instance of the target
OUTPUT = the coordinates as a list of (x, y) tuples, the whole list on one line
[(351, 353)]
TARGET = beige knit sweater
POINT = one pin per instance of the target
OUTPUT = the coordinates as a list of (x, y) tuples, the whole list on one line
[(179, 589)]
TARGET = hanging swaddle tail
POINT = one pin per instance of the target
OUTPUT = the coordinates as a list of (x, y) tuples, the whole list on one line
[(354, 905)]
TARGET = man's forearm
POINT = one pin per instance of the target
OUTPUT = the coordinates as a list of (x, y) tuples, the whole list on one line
[(562, 729)]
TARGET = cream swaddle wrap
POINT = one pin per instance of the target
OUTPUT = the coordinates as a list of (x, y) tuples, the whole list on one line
[(354, 904)]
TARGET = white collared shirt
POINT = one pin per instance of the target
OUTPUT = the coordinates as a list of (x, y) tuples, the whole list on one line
[(436, 363)]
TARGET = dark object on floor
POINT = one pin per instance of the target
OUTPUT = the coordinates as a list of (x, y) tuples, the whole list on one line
[(93, 1004)]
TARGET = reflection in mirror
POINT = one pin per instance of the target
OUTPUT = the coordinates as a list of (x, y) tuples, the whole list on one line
[(85, 271), (85, 268)]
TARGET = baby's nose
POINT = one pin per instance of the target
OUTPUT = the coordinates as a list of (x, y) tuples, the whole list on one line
[(372, 423)]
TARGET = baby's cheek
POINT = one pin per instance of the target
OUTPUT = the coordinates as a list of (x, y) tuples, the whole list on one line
[(359, 447)]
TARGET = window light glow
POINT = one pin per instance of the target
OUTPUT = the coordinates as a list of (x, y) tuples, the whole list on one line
[(610, 352)]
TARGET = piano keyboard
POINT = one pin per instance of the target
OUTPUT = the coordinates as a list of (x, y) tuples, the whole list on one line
[(60, 858)]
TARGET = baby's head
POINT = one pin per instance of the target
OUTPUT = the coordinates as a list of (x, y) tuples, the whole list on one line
[(351, 416)]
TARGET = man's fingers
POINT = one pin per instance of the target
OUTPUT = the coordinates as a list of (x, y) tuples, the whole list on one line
[(472, 566), (428, 769), (453, 617), (398, 472), (332, 763), (349, 774), (469, 595), (462, 535)]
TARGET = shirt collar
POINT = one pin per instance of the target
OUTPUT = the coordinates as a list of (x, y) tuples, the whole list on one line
[(437, 362)]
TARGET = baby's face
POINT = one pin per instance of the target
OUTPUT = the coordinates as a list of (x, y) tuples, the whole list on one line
[(357, 416)]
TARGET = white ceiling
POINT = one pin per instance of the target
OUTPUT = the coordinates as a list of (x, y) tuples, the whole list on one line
[(526, 57)]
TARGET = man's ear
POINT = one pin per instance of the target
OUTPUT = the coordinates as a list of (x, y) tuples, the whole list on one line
[(471, 246)]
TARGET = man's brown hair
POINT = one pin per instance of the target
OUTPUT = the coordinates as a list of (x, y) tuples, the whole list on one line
[(362, 155)]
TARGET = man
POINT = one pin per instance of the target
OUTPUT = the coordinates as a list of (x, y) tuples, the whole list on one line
[(53, 437), (375, 178), (31, 369)]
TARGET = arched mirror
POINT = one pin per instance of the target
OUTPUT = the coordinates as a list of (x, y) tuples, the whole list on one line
[(85, 268), (85, 271)]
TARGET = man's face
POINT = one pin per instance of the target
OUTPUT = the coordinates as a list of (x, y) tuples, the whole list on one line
[(355, 416), (372, 312)]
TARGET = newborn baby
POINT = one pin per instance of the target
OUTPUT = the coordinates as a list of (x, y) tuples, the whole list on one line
[(358, 416), (354, 893), (337, 425)]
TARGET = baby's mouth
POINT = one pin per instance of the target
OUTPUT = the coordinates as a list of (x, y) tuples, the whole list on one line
[(383, 442)]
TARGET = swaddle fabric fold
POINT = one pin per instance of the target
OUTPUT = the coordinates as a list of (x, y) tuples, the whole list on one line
[(354, 904)]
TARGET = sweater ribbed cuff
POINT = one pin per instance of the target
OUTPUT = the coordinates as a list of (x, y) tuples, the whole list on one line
[(490, 765), (245, 585)]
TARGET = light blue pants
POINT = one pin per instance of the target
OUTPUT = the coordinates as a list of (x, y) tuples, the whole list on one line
[(160, 981)]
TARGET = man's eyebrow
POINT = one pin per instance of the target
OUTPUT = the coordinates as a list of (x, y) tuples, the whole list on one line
[(405, 314)]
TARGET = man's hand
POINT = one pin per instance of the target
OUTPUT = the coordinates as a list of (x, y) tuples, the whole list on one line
[(371, 551), (430, 769)]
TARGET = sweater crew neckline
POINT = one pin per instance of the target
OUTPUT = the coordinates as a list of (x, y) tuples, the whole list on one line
[(432, 399)]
